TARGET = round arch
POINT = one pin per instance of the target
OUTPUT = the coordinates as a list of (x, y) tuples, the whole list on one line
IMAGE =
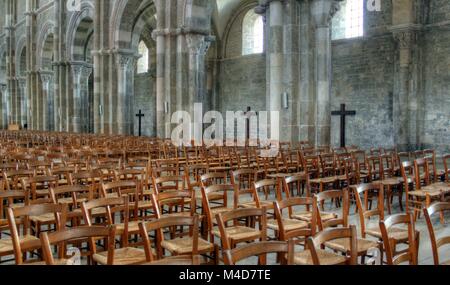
[(80, 32), (44, 49)]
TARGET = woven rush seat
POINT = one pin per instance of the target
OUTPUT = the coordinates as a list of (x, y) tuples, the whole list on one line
[(446, 262), (343, 245), (394, 233), (6, 246), (219, 210), (306, 216), (59, 262), (239, 233), (247, 205), (18, 205), (46, 218), (325, 180), (132, 227), (122, 256), (69, 201), (183, 245), (392, 181), (289, 224), (325, 258), (95, 212)]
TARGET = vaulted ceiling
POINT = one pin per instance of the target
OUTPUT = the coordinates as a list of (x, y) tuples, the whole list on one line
[(223, 10)]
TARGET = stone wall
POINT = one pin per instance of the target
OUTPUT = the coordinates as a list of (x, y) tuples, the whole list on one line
[(145, 100), (363, 79), (436, 58)]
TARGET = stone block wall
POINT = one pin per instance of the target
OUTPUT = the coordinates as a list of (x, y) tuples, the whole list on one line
[(145, 100)]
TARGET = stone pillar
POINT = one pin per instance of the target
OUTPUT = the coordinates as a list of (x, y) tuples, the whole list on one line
[(322, 12), (159, 37), (22, 95), (405, 99), (76, 107), (10, 38), (61, 68), (86, 72), (32, 80), (306, 82), (46, 78), (122, 121), (4, 106)]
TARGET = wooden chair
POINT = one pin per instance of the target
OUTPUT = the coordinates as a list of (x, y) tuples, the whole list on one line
[(436, 243), (392, 183), (168, 183), (242, 180), (211, 211), (343, 245), (298, 181), (260, 250), (177, 261), (39, 185), (72, 196), (239, 226), (66, 237), (8, 199), (24, 241), (409, 255), (287, 228), (446, 159), (112, 208), (317, 255), (186, 245)]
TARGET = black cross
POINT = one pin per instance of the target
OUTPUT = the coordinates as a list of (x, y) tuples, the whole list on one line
[(140, 116), (343, 113)]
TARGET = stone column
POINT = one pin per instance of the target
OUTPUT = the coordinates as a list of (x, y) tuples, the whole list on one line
[(322, 12), (32, 85), (4, 106), (10, 30), (22, 95), (46, 78), (405, 102), (121, 124), (86, 72), (61, 68), (76, 107)]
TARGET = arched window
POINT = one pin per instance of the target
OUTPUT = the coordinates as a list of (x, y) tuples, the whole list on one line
[(349, 21), (252, 33), (142, 65)]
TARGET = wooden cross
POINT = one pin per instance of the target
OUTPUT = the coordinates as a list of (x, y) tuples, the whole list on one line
[(343, 113), (140, 116)]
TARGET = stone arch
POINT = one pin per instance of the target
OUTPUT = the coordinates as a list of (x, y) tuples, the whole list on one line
[(125, 26), (2, 65), (21, 57), (44, 49), (242, 9), (80, 33)]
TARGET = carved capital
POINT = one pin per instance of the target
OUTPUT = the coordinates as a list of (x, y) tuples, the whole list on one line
[(405, 39), (323, 11), (198, 44)]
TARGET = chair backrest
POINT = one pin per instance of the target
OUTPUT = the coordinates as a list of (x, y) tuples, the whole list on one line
[(256, 215), (7, 199), (436, 243), (76, 192), (168, 222), (260, 250), (64, 237), (369, 191), (446, 159), (411, 254), (333, 234), (111, 206), (209, 179), (242, 180), (168, 183), (333, 195), (309, 203), (267, 184), (421, 172), (174, 199), (207, 191), (24, 214), (298, 181)]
